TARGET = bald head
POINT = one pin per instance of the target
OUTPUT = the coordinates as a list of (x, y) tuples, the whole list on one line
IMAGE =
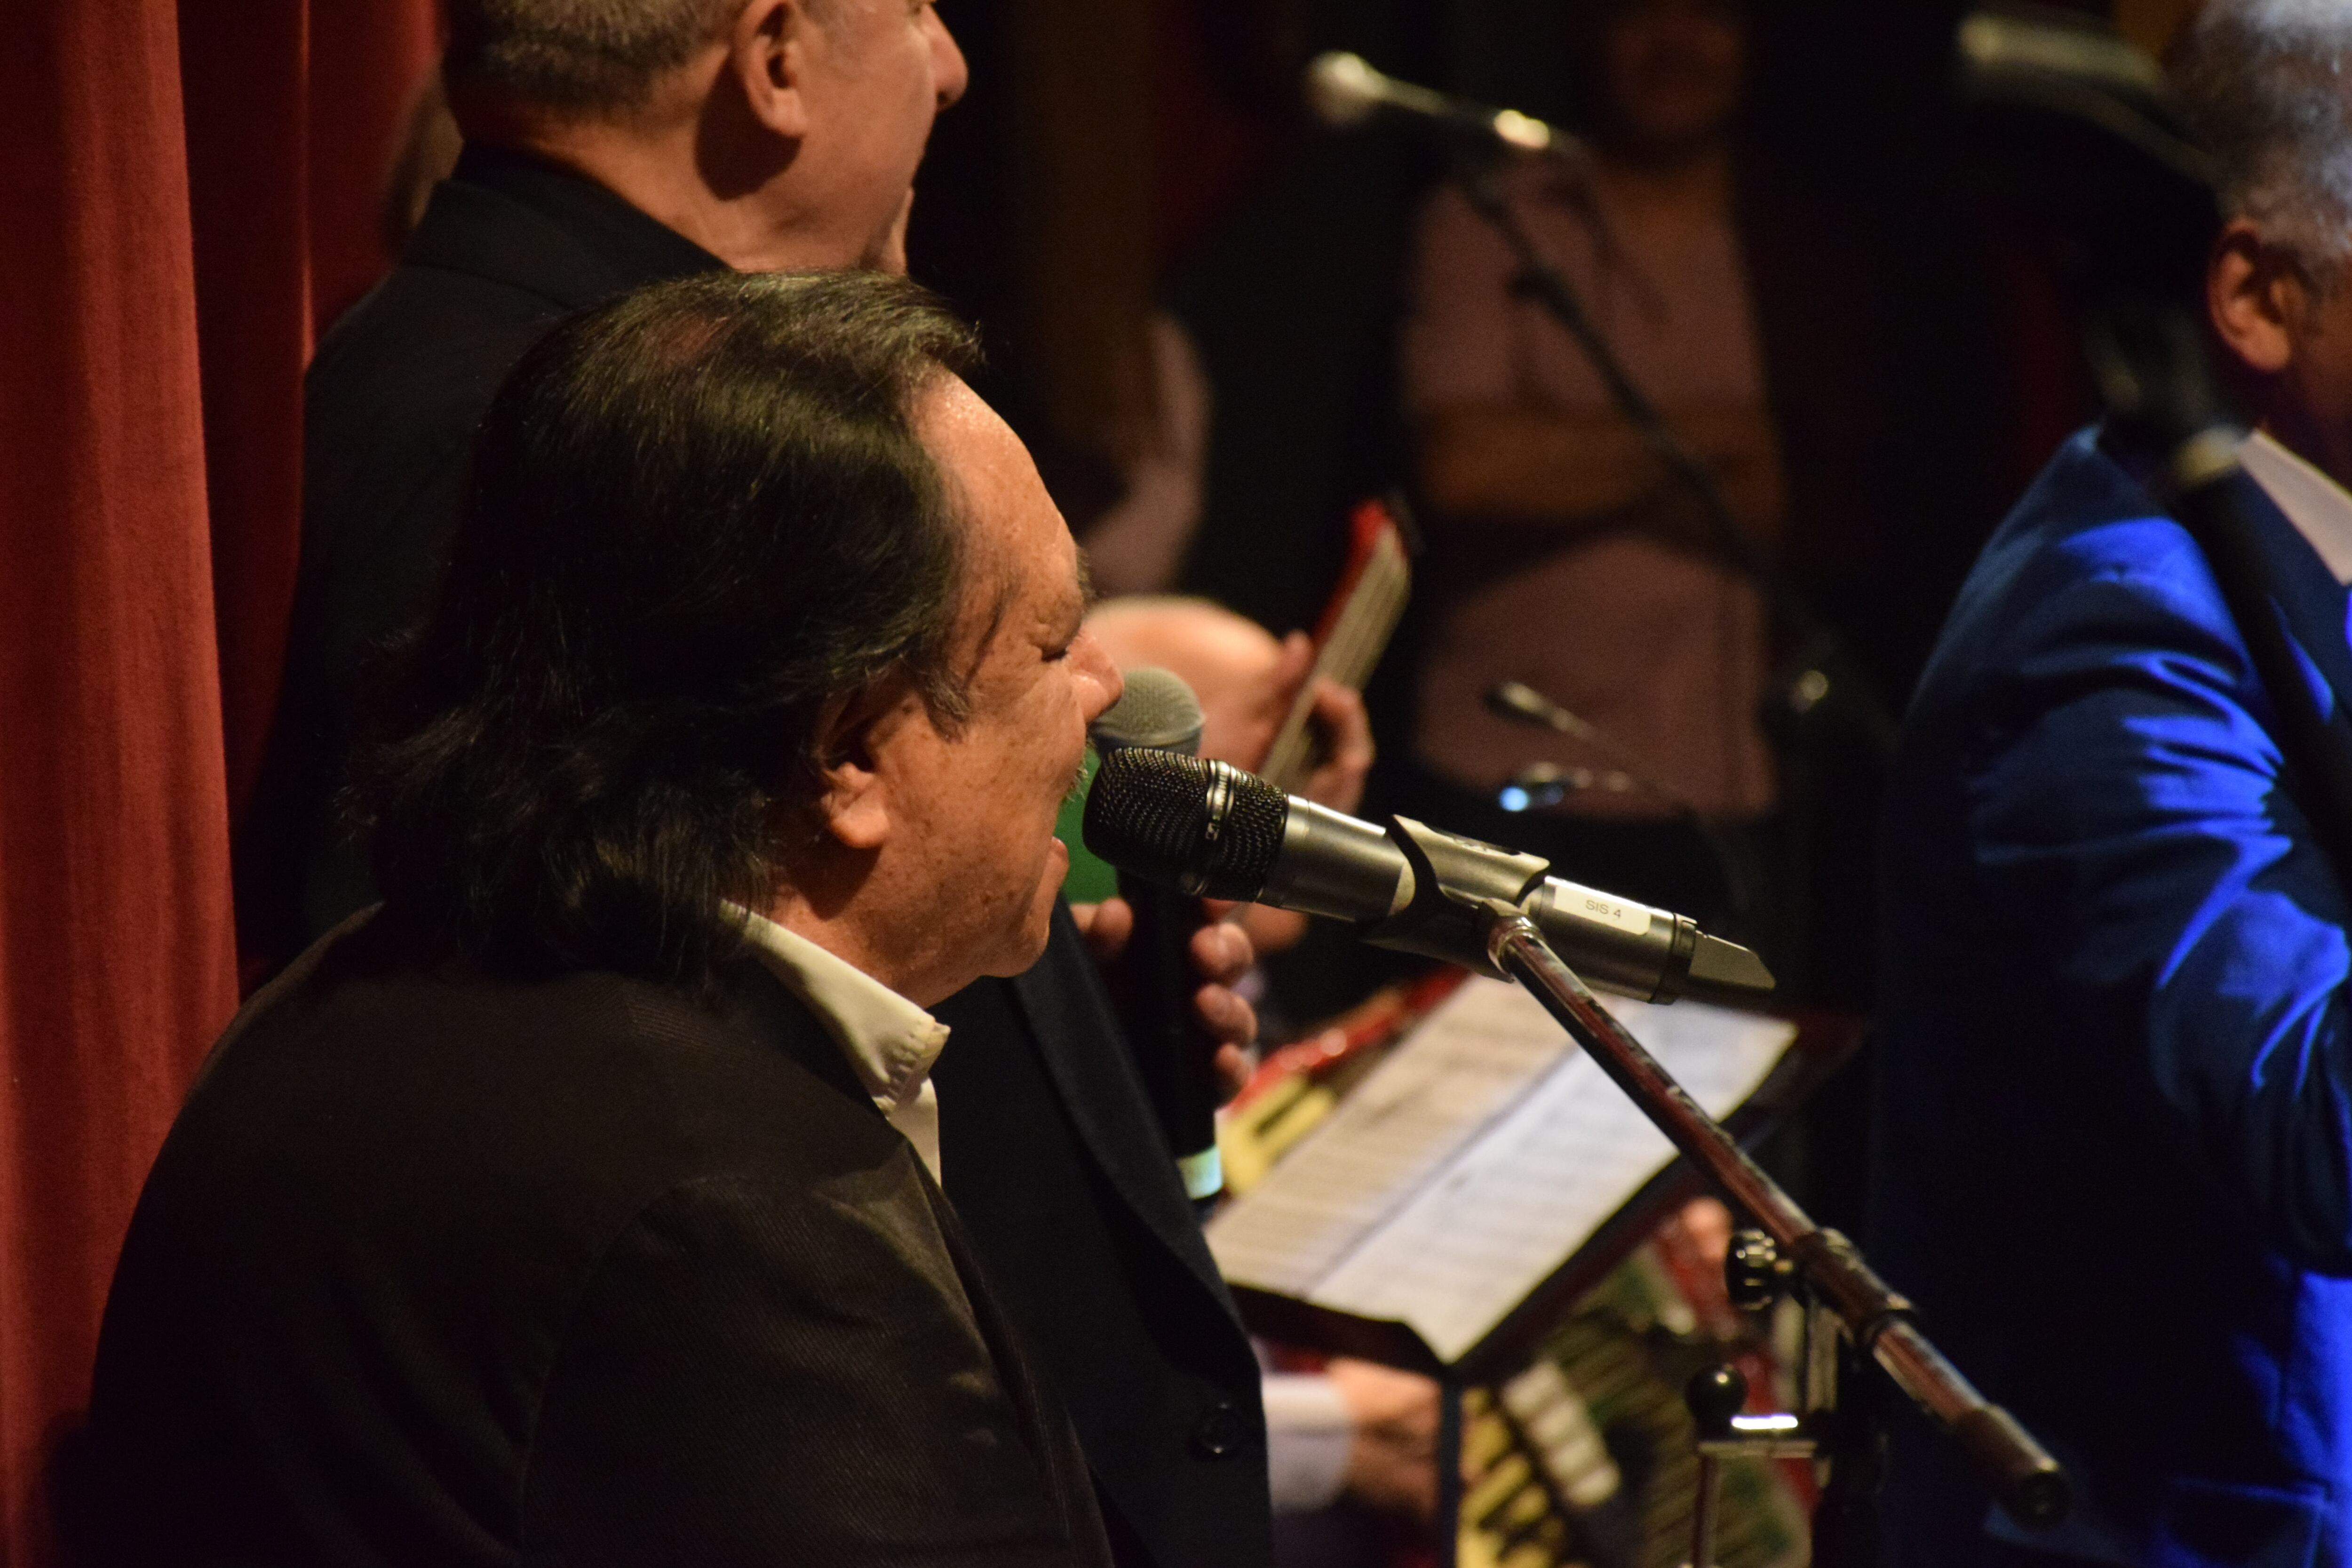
[(581, 56), (777, 134), (1232, 663)]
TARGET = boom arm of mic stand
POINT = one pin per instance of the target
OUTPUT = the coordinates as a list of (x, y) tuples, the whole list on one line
[(1814, 639), (2018, 1470)]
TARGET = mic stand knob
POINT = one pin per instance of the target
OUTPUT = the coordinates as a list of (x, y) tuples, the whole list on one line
[(1716, 1395)]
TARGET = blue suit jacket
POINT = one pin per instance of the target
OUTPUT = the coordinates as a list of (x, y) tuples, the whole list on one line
[(2114, 1147)]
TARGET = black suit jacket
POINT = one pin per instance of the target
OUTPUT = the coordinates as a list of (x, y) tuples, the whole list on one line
[(390, 403), (1049, 1148), (442, 1269), (1051, 1151)]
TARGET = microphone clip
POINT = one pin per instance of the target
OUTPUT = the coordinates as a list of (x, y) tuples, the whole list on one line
[(1456, 883), (1454, 879)]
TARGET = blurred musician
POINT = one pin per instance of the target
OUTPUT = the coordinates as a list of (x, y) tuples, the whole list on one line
[(1563, 553)]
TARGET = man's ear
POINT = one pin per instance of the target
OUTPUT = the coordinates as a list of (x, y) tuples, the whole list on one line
[(2256, 293), (852, 744), (769, 53)]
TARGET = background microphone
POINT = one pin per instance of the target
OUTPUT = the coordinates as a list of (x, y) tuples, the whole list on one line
[(1211, 830), (1343, 89), (2080, 67), (1154, 980)]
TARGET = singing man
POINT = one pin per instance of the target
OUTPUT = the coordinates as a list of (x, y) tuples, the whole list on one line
[(610, 145), (579, 1204)]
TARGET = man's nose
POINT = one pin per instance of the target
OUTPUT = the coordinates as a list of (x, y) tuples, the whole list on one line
[(1109, 684), (949, 74)]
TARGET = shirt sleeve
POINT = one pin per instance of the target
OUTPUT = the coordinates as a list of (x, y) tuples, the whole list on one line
[(1307, 1436), (2129, 813), (765, 1374)]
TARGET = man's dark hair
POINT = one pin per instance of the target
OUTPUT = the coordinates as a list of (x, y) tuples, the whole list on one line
[(697, 517), (584, 56)]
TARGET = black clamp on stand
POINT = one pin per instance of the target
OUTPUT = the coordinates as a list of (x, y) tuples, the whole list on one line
[(1838, 1417), (1844, 1298)]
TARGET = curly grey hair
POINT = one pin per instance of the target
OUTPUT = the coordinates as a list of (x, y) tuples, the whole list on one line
[(2267, 85), (584, 56)]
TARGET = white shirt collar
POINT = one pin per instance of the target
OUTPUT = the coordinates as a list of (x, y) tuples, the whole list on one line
[(890, 1042), (2316, 505)]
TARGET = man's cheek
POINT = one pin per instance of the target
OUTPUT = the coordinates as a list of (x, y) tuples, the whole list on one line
[(1056, 871)]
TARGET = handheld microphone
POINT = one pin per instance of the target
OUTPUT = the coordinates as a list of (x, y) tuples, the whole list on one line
[(1211, 830), (1343, 89), (1174, 1054)]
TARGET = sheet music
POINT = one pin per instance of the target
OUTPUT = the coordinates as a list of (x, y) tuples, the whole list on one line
[(1477, 1159), (1464, 1066)]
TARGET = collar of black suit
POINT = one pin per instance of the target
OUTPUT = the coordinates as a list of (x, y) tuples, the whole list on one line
[(519, 220), (754, 999)]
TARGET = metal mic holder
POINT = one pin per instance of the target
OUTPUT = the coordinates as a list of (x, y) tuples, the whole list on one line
[(2015, 1467)]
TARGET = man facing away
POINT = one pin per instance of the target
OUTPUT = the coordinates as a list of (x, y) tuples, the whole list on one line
[(577, 1205), (612, 145), (2115, 1072), (608, 146)]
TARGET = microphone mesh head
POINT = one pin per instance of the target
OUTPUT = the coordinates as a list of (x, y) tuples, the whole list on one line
[(1157, 710), (1342, 89), (1206, 828)]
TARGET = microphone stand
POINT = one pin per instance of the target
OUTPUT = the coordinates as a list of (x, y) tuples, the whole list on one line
[(1876, 1320), (1522, 703), (1822, 668)]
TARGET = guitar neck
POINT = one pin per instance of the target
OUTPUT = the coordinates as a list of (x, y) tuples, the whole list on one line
[(1354, 633)]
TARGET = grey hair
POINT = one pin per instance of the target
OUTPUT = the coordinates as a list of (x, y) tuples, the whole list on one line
[(581, 56), (2267, 85)]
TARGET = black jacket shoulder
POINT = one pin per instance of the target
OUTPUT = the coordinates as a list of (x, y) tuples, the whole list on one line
[(507, 248), (438, 1267)]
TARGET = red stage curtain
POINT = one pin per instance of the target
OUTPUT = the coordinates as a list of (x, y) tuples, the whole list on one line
[(116, 953), (248, 175), (164, 247)]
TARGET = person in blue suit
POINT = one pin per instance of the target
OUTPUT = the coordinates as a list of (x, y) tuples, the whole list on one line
[(2114, 1149)]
